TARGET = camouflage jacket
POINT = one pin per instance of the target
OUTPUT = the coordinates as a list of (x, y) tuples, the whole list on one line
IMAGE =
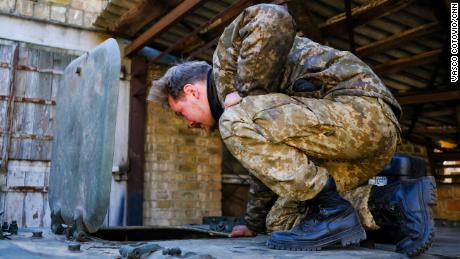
[(259, 53)]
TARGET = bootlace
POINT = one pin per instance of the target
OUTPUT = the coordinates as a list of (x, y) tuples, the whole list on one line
[(313, 214)]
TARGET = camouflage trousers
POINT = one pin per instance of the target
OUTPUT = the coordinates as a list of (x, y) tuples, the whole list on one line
[(292, 144)]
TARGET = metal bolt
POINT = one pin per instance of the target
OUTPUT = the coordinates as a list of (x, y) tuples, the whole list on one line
[(5, 226), (13, 229), (37, 234), (79, 236), (74, 247), (175, 251)]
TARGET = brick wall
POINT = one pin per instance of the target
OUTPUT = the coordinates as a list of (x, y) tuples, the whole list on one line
[(79, 13), (448, 206), (182, 168)]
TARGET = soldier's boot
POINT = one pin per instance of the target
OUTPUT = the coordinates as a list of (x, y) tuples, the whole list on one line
[(333, 220), (402, 210)]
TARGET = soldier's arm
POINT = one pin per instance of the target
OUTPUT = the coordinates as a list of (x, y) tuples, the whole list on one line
[(260, 201), (252, 51), (328, 67)]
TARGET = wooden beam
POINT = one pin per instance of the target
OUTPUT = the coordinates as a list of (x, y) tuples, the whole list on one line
[(446, 156), (429, 96), (443, 129), (397, 39), (302, 15), (458, 123), (132, 21), (203, 48), (136, 155), (351, 36), (169, 19), (363, 14), (439, 112), (430, 86), (394, 66), (220, 19)]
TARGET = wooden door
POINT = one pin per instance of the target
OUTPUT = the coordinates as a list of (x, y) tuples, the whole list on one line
[(29, 80)]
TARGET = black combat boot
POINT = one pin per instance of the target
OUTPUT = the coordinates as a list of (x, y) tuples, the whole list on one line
[(330, 220), (402, 211)]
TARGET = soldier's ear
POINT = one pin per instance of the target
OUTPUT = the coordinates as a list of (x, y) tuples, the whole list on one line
[(190, 89)]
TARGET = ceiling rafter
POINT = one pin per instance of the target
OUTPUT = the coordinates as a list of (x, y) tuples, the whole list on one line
[(397, 39), (363, 14), (203, 48), (165, 22), (220, 19), (397, 65), (132, 21), (430, 86), (452, 94)]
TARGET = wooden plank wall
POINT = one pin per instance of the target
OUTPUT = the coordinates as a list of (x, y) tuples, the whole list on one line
[(24, 186), (6, 59)]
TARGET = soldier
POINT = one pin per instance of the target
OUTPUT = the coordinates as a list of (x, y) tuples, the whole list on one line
[(311, 123)]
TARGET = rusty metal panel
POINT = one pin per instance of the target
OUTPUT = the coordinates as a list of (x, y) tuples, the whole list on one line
[(84, 136)]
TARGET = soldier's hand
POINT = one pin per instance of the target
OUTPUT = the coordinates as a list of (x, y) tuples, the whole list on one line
[(242, 231), (232, 99)]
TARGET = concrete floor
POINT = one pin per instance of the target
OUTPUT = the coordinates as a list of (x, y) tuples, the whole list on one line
[(446, 245)]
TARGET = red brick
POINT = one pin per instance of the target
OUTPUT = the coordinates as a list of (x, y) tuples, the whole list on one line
[(453, 205), (456, 191), (444, 191)]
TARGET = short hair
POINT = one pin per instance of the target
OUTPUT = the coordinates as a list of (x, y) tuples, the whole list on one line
[(173, 81)]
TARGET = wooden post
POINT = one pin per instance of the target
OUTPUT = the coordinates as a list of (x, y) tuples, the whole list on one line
[(136, 141)]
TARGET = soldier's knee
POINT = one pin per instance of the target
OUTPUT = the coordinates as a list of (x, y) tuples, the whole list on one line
[(231, 115)]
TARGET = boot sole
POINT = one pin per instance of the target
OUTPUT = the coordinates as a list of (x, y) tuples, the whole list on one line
[(428, 190), (430, 185), (348, 237)]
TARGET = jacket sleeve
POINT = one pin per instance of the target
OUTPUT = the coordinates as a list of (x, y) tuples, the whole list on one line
[(253, 50), (260, 201)]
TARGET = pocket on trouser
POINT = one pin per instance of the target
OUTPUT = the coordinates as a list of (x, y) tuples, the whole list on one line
[(279, 117)]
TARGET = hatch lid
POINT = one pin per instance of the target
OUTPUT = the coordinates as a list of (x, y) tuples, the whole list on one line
[(84, 135)]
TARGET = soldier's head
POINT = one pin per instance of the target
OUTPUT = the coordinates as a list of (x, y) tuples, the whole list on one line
[(184, 88)]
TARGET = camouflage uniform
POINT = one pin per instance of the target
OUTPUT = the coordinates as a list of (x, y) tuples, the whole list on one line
[(292, 140)]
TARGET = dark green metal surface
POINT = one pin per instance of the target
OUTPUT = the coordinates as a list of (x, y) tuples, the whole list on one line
[(83, 144)]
